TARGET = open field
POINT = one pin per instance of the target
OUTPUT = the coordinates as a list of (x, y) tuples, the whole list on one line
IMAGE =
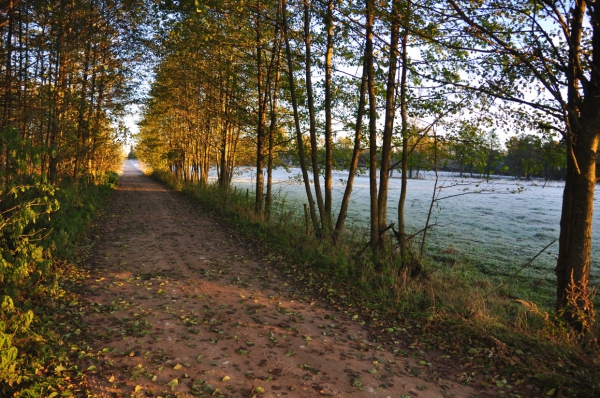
[(497, 227)]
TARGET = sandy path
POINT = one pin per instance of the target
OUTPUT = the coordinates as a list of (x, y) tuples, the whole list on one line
[(182, 307)]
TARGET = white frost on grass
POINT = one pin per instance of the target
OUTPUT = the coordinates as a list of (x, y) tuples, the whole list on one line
[(496, 230)]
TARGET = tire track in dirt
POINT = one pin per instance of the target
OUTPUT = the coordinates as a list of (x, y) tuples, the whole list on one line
[(181, 306)]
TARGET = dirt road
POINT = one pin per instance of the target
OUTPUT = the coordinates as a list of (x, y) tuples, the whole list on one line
[(181, 306)]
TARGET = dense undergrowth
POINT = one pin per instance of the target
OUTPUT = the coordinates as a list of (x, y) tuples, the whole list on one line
[(42, 239), (500, 340)]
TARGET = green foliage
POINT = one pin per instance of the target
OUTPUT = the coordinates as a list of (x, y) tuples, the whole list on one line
[(38, 227), (534, 156), (22, 261), (12, 323), (473, 150), (20, 154)]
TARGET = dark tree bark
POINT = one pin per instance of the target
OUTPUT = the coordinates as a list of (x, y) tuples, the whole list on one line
[(293, 98), (341, 220), (390, 116), (274, 96), (311, 115), (402, 238), (375, 231), (262, 114)]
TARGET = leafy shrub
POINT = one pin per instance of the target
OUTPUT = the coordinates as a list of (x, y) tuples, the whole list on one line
[(38, 226), (21, 258)]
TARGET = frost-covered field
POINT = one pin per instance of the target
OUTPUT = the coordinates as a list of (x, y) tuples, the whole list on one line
[(496, 229)]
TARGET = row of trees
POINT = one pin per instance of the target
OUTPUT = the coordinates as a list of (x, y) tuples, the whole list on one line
[(472, 153), (467, 154), (254, 75), (63, 83)]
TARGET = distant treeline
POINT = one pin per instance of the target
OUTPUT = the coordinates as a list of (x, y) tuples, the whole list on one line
[(524, 156)]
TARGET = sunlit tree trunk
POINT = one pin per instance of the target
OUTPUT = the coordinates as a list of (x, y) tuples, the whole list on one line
[(329, 25), (82, 121), (8, 91), (575, 242), (573, 299), (262, 115), (274, 93)]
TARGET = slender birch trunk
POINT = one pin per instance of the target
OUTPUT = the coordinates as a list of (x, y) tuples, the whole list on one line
[(301, 153)]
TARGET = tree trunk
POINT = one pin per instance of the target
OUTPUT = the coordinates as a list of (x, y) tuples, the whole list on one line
[(224, 152), (311, 114), (272, 127), (82, 122), (375, 235), (390, 115), (402, 238), (573, 299), (339, 226), (575, 242), (225, 95), (260, 131), (328, 129), (8, 84), (301, 154)]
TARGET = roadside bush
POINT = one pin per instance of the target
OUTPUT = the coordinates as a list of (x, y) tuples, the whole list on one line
[(38, 227)]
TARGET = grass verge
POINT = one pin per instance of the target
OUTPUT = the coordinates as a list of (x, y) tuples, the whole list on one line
[(499, 340)]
